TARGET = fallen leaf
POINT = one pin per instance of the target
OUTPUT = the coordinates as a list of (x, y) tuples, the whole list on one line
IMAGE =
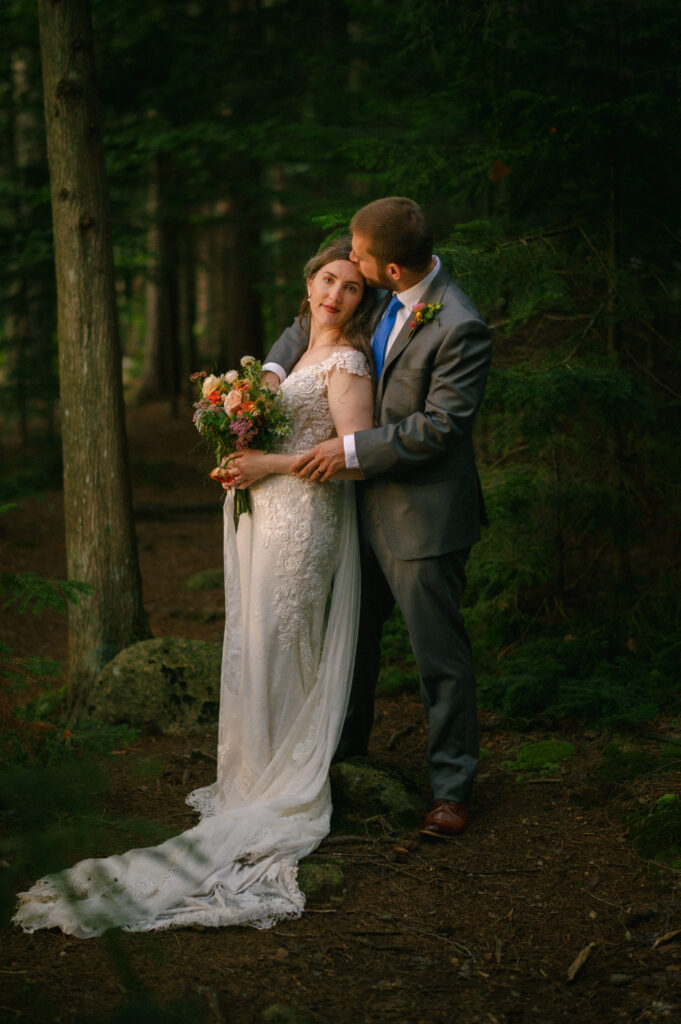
[(667, 937), (579, 961)]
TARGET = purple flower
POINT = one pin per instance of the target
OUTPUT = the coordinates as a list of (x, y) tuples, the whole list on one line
[(245, 432), (239, 427)]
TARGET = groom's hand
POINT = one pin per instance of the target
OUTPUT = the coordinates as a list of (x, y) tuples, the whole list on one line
[(268, 379), (321, 463)]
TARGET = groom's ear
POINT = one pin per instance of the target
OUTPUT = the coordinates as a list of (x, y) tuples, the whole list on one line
[(394, 271)]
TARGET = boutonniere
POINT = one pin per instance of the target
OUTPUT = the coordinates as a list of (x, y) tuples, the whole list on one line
[(423, 312)]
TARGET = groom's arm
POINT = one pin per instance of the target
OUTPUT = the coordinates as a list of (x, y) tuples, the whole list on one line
[(287, 350), (455, 392)]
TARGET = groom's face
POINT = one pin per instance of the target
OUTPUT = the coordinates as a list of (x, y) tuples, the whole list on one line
[(367, 265)]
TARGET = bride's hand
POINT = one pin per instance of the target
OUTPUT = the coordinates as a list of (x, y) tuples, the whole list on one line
[(246, 467)]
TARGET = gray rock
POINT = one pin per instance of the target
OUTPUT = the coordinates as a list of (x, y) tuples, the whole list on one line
[(168, 685), (209, 579), (321, 881), (362, 791), (282, 1013)]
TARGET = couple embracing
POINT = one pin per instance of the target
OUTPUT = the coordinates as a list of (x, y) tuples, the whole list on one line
[(381, 389)]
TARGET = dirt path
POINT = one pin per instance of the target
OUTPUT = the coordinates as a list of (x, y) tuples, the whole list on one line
[(481, 929)]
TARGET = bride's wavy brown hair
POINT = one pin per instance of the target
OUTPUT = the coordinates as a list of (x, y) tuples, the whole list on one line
[(356, 331)]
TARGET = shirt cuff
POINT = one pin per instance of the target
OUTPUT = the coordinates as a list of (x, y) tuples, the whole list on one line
[(351, 460), (276, 368)]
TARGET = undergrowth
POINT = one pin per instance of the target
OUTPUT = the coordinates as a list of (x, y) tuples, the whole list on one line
[(50, 774), (29, 470), (576, 670)]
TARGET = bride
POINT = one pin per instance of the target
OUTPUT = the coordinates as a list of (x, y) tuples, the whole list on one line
[(292, 601)]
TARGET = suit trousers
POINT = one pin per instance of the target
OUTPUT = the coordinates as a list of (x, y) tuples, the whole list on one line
[(428, 592)]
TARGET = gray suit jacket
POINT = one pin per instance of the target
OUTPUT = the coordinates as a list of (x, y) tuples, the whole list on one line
[(418, 460)]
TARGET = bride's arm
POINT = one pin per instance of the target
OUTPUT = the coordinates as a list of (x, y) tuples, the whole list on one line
[(351, 401), (252, 464)]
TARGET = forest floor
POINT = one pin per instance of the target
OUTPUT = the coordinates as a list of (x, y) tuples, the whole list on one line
[(478, 930)]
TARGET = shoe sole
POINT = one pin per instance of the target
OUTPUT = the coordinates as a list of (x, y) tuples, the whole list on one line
[(430, 834)]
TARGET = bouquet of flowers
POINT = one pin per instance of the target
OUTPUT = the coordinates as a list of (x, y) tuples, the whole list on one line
[(236, 412)]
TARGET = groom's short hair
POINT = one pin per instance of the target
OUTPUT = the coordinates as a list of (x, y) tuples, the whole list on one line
[(397, 231)]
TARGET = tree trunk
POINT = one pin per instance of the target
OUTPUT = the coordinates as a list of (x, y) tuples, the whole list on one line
[(29, 327), (618, 453), (213, 323), (100, 539), (186, 306), (244, 335), (160, 376)]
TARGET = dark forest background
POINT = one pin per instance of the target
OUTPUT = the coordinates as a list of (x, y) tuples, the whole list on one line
[(543, 140)]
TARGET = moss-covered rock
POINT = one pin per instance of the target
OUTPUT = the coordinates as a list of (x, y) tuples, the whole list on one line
[(361, 791), (322, 881), (168, 686)]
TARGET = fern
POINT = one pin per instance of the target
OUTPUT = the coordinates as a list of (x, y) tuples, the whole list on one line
[(30, 592)]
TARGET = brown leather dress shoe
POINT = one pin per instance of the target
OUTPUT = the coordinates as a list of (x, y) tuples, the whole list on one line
[(447, 819)]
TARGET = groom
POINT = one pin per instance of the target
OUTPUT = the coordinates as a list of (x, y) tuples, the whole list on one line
[(420, 502)]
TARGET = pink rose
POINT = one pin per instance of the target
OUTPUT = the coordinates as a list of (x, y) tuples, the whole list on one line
[(232, 401), (418, 307)]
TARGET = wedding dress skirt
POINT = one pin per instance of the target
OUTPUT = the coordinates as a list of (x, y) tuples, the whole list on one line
[(292, 604)]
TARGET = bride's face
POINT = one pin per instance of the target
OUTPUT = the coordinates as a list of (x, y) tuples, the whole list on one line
[(335, 292)]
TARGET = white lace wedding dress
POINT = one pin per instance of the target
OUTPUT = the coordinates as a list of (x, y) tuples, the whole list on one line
[(292, 600)]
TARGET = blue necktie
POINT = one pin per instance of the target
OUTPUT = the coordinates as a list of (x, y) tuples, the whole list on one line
[(380, 338)]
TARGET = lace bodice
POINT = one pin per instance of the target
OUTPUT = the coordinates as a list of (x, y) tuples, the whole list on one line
[(305, 393)]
